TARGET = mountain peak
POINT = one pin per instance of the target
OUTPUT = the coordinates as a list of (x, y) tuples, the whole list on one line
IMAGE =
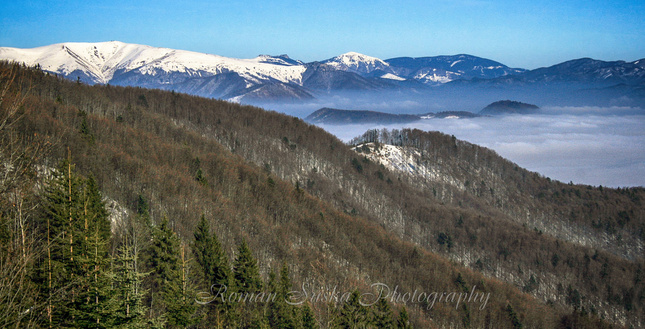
[(355, 57), (358, 63), (354, 54)]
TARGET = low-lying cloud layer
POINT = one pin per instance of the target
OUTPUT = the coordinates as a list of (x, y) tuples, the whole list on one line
[(583, 145)]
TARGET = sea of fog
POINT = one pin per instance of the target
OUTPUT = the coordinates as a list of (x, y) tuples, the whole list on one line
[(585, 145)]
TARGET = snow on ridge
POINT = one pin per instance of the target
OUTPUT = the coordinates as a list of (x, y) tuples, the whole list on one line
[(392, 77), (456, 62), (357, 62), (425, 76), (407, 160), (354, 57), (101, 60)]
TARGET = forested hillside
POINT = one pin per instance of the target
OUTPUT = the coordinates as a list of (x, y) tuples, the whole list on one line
[(120, 206), (462, 173)]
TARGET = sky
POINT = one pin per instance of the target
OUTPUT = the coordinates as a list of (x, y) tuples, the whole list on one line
[(525, 34)]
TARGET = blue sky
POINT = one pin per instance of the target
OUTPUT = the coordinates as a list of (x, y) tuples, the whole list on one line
[(518, 33)]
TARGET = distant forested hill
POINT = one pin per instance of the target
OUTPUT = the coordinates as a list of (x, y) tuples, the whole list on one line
[(509, 107)]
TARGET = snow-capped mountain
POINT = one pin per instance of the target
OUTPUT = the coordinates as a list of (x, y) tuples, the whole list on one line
[(360, 64), (128, 64), (442, 69), (427, 70), (279, 78)]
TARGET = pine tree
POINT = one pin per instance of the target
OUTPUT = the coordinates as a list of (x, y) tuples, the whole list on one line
[(126, 305), (245, 271), (213, 265), (171, 295), (162, 257), (512, 315), (94, 288), (281, 314), (209, 256), (179, 296), (247, 282), (353, 314), (308, 317), (203, 250), (403, 322), (382, 315), (85, 131), (78, 232), (93, 258), (143, 208)]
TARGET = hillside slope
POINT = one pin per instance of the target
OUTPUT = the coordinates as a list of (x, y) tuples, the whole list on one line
[(299, 195)]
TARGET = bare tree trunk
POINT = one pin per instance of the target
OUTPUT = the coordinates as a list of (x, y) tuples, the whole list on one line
[(96, 267), (49, 270)]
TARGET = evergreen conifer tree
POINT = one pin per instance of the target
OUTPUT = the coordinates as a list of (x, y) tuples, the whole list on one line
[(353, 314), (203, 250), (247, 283), (382, 314), (78, 232), (171, 295), (308, 318), (403, 322), (179, 296), (126, 305), (214, 269), (246, 272), (209, 256), (281, 314)]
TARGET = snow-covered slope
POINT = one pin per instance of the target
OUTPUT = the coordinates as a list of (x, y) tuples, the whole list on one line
[(358, 63), (443, 69), (427, 70), (98, 61), (409, 161), (103, 62)]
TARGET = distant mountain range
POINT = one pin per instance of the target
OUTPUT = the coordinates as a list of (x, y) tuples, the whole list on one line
[(280, 78)]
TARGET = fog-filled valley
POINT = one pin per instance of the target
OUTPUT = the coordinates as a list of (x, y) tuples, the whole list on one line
[(586, 149), (585, 144)]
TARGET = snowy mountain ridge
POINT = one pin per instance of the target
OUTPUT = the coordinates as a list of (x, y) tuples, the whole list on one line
[(100, 62), (280, 78), (104, 62), (358, 63)]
